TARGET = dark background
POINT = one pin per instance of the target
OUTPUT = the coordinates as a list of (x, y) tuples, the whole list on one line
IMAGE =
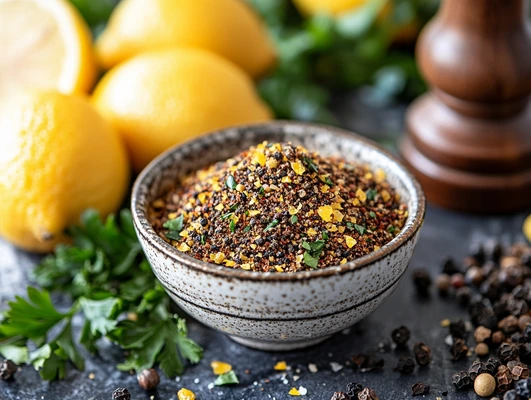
[(444, 234)]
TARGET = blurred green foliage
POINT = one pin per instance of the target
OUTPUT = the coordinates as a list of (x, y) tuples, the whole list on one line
[(320, 54)]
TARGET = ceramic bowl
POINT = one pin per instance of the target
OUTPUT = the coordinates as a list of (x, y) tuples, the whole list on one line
[(277, 311)]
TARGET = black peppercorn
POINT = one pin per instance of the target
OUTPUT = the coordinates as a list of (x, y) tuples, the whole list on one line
[(519, 370), (524, 352), (477, 368), (353, 389), (422, 281), (527, 333), (121, 394), (509, 325), (523, 388), (442, 282), (148, 379), (405, 365), (419, 389), (507, 352), (459, 349), (7, 370), (491, 366), (504, 378), (462, 295), (367, 394), (449, 267), (422, 353), (340, 396), (461, 380), (401, 335), (457, 329)]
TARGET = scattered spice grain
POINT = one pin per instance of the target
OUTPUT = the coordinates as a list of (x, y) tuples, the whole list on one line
[(148, 379), (405, 365), (280, 208), (121, 394), (401, 335), (7, 370), (419, 389), (422, 353)]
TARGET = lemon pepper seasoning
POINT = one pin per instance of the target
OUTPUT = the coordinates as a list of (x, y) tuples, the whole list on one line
[(280, 208)]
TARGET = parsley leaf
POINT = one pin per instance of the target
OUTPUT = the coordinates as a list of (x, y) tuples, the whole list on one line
[(310, 260), (174, 226), (313, 252), (293, 219), (231, 182), (226, 379), (372, 214), (360, 228), (271, 225)]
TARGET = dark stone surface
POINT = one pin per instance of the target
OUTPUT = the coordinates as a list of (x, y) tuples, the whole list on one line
[(444, 233)]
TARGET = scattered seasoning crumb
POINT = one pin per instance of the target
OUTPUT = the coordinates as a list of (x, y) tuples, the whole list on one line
[(210, 386), (7, 370), (279, 208), (296, 378), (422, 353), (445, 323), (313, 368), (340, 396), (91, 376), (294, 392), (303, 391), (185, 394), (401, 335), (220, 367), (336, 367), (405, 365), (196, 381), (280, 366)]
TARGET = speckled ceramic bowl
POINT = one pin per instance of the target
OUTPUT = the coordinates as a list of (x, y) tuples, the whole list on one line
[(273, 311)]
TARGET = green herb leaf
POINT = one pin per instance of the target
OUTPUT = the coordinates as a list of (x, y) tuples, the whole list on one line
[(360, 228), (310, 261), (391, 229), (294, 219), (247, 228), (231, 182), (203, 239), (371, 194), (271, 225), (232, 226), (311, 164), (226, 379), (227, 215), (325, 236), (261, 191), (372, 214), (101, 314), (17, 354), (174, 226)]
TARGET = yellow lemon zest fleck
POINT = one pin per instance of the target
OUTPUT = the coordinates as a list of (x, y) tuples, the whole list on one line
[(216, 187), (218, 257), (280, 366), (337, 206), (229, 263), (279, 268), (184, 234), (343, 261), (246, 267), (219, 207), (272, 163), (360, 194), (299, 258), (311, 232), (338, 215), (355, 202), (220, 367), (172, 215), (202, 197), (341, 229), (183, 247), (379, 175), (350, 241), (376, 247), (294, 392), (368, 175), (385, 195), (240, 188), (325, 212), (325, 188), (292, 210), (286, 179), (259, 158), (298, 167), (185, 394), (252, 213)]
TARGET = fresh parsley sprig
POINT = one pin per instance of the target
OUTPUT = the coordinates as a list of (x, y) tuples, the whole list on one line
[(108, 278)]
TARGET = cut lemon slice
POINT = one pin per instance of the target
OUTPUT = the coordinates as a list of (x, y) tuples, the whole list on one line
[(44, 44)]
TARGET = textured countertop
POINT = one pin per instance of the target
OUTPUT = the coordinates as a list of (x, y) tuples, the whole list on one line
[(444, 233)]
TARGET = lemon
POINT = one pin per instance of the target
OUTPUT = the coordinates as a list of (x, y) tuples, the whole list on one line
[(159, 99), (401, 33), (227, 27), (58, 157), (44, 44)]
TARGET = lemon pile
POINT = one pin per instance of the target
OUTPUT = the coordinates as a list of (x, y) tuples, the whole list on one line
[(172, 70)]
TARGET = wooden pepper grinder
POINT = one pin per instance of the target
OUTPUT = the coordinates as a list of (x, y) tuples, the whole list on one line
[(469, 139)]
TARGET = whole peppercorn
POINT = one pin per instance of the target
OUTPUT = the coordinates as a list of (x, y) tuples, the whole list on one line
[(7, 370), (484, 385), (353, 389), (459, 350), (523, 322), (442, 283), (498, 338), (422, 281), (449, 267), (526, 332), (482, 334), (524, 352), (401, 335), (422, 353), (519, 370), (482, 349), (491, 366), (148, 379), (405, 365), (487, 318), (504, 378), (477, 368), (523, 388), (419, 388), (469, 262), (463, 295), (461, 380), (510, 395), (457, 280), (457, 329), (507, 352), (367, 394), (474, 276), (121, 394), (340, 396), (495, 251)]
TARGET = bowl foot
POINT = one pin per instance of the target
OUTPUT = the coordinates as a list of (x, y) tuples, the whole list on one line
[(269, 345)]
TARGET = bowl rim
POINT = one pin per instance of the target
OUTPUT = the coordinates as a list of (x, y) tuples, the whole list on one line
[(145, 229)]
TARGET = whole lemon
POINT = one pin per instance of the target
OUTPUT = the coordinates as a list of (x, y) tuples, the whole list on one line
[(157, 100), (227, 27), (44, 44), (58, 157)]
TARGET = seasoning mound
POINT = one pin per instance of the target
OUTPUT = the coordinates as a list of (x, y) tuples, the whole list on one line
[(280, 208)]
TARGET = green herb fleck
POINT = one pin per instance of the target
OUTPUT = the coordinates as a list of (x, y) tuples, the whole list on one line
[(293, 219), (309, 260), (227, 216), (360, 228), (247, 228), (372, 214), (311, 164), (234, 207), (371, 194), (324, 234), (390, 229), (232, 226), (271, 225), (231, 182), (261, 191), (203, 239), (328, 181), (226, 379), (174, 226), (313, 252)]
